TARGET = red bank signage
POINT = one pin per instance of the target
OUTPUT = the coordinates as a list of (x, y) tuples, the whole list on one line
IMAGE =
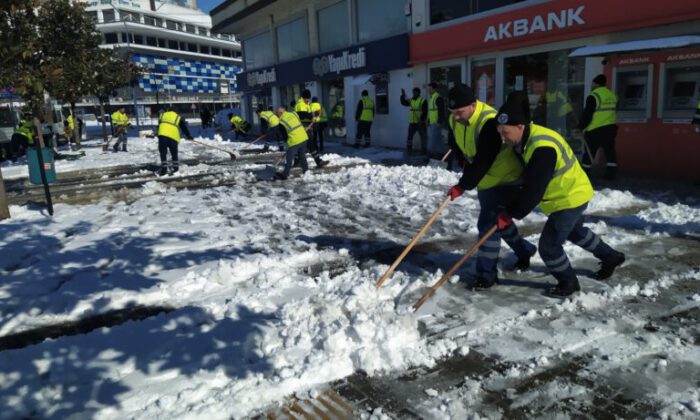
[(556, 20)]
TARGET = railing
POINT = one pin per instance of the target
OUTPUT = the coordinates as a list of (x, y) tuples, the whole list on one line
[(157, 22)]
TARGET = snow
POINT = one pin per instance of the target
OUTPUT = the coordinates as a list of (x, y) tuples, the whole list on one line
[(268, 292)]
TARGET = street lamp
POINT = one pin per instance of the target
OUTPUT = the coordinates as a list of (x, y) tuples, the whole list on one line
[(128, 47)]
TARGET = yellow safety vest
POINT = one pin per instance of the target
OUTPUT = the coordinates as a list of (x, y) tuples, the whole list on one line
[(169, 125), (605, 108), (569, 187), (367, 113), (506, 168), (237, 122), (339, 112), (416, 110), (296, 134), (565, 106), (25, 129), (433, 114), (302, 106), (71, 123), (271, 119), (316, 107), (120, 119), (324, 115)]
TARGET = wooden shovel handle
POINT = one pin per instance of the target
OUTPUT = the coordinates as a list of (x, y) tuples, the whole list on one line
[(213, 147), (454, 268), (412, 243), (446, 155)]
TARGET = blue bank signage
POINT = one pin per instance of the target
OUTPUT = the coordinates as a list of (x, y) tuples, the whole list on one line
[(374, 57)]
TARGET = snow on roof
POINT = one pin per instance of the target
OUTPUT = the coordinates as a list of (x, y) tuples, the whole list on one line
[(647, 44)]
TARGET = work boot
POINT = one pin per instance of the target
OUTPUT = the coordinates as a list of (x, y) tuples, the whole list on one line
[(297, 162), (163, 171), (279, 176), (281, 148), (124, 149), (523, 262), (265, 149), (609, 264), (564, 289), (115, 148), (366, 145), (320, 163), (481, 283)]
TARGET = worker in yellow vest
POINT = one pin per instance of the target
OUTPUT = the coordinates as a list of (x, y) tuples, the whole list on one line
[(320, 122), (599, 124), (417, 118), (120, 123), (696, 118), (169, 126), (303, 110), (554, 181), (239, 126), (437, 119), (22, 137), (292, 129), (364, 115), (494, 170), (269, 125)]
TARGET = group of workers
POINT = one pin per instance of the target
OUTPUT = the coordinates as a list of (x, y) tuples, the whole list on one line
[(516, 165)]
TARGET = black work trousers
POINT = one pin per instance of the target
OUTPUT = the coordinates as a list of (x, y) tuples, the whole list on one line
[(363, 132), (166, 144), (419, 128), (601, 137)]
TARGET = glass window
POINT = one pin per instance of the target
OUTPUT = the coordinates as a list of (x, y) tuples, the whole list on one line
[(92, 15), (192, 47), (554, 84), (190, 28), (127, 37), (379, 19), (292, 40), (108, 16), (484, 81), (215, 51), (446, 77), (151, 41), (138, 39), (444, 10), (258, 51), (333, 26), (150, 20), (226, 52), (682, 90), (111, 38), (172, 45), (171, 25), (162, 43), (204, 49), (128, 16)]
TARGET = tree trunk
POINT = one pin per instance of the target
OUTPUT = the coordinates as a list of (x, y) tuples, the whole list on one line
[(4, 210)]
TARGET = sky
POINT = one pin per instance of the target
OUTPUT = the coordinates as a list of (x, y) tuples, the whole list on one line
[(207, 5)]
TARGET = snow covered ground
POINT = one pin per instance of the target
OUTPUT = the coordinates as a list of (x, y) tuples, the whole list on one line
[(261, 291)]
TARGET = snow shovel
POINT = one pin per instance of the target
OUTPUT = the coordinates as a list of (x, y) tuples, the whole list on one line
[(307, 128), (440, 163), (408, 248), (454, 268), (105, 146), (231, 154), (254, 141)]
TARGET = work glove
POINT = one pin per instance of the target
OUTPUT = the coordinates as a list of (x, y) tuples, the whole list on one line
[(503, 220), (455, 192)]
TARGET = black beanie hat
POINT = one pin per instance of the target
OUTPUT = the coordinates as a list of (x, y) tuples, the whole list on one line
[(460, 96), (513, 112), (600, 80), (306, 94)]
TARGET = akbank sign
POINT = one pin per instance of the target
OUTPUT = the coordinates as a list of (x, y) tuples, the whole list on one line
[(562, 19), (339, 63)]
